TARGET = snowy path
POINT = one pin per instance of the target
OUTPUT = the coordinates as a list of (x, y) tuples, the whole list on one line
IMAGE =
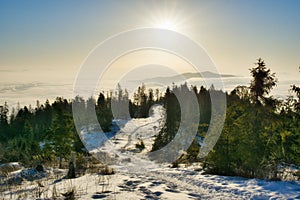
[(140, 178)]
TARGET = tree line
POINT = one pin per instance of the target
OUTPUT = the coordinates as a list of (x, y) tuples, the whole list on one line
[(259, 132), (46, 133)]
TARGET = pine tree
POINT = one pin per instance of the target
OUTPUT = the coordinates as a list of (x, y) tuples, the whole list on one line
[(60, 136), (4, 122), (104, 112), (263, 81)]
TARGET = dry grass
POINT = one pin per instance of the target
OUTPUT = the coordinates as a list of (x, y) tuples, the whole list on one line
[(54, 186)]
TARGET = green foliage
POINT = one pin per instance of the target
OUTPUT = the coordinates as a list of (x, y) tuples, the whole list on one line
[(142, 102), (256, 137), (60, 135), (4, 122), (46, 133), (263, 81), (296, 90), (168, 132), (103, 111)]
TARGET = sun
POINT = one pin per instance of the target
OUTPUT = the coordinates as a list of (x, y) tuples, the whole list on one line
[(167, 24), (166, 19)]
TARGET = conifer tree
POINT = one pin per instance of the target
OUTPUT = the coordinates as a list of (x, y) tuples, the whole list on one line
[(263, 81)]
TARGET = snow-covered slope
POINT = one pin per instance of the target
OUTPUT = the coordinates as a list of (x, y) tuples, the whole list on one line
[(137, 177), (125, 134), (147, 179)]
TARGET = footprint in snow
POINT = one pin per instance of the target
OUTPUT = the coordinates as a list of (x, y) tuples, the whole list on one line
[(172, 190)]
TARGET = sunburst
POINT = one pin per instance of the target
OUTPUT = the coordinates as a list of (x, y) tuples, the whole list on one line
[(168, 17), (167, 24)]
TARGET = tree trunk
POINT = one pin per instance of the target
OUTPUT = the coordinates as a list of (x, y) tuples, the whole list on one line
[(71, 172)]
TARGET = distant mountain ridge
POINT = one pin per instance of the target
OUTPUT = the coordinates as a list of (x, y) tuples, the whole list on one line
[(188, 75)]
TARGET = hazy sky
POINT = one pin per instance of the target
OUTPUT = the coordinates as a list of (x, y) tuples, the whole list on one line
[(41, 38)]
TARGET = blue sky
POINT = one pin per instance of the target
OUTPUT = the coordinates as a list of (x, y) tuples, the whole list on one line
[(52, 37), (61, 33)]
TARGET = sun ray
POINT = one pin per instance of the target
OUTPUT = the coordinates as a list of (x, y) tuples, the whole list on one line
[(164, 17)]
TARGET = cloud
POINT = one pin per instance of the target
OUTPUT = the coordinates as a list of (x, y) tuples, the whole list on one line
[(19, 87), (8, 69), (29, 92)]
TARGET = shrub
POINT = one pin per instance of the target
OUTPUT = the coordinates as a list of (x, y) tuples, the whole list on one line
[(140, 145)]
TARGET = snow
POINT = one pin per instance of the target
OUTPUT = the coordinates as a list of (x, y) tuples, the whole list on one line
[(138, 177), (10, 167), (164, 183), (189, 183)]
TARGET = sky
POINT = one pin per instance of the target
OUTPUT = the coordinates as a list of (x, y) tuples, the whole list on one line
[(46, 42)]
